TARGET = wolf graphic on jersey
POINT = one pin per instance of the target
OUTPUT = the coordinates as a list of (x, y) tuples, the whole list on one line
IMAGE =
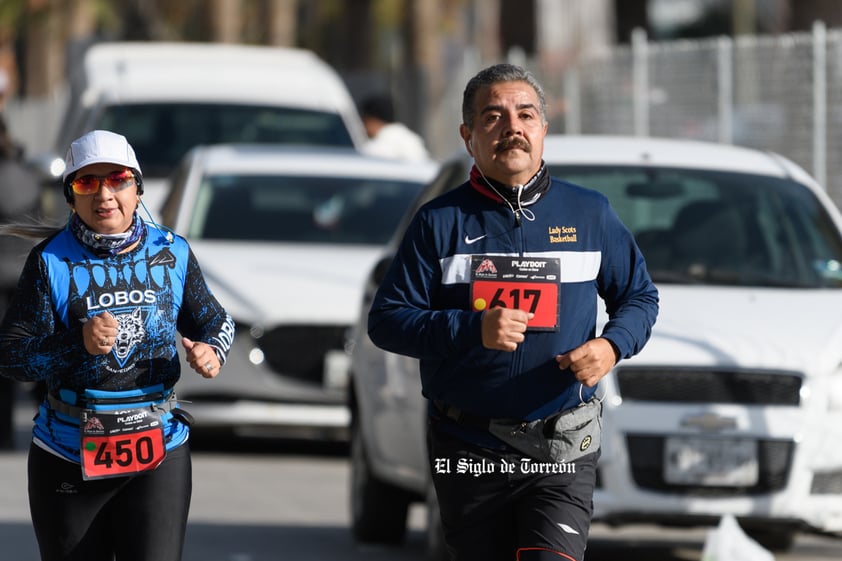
[(131, 292), (130, 332)]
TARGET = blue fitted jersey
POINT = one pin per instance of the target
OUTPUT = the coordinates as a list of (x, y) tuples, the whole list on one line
[(153, 291), (423, 308)]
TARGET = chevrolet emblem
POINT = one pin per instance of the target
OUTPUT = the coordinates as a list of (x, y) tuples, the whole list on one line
[(709, 422)]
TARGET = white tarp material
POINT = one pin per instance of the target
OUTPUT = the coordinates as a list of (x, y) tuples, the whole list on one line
[(728, 542)]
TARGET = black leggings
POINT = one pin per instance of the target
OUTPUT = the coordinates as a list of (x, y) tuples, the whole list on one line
[(137, 518)]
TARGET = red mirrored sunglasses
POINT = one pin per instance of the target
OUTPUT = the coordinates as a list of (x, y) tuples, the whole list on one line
[(115, 181)]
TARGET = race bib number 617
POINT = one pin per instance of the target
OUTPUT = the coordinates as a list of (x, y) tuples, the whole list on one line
[(524, 283)]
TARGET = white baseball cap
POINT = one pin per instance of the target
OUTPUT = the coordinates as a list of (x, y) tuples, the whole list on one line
[(98, 147)]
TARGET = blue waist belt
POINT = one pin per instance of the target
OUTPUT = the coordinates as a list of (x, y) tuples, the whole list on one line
[(159, 398)]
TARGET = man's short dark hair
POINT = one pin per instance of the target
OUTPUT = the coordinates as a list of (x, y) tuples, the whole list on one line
[(378, 106), (492, 75)]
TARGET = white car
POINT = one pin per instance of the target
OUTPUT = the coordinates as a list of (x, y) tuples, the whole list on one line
[(168, 97), (735, 404), (285, 236)]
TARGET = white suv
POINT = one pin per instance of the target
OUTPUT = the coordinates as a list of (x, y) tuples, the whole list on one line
[(168, 97), (733, 407)]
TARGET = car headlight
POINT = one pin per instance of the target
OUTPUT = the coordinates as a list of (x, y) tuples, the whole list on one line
[(56, 167), (256, 355)]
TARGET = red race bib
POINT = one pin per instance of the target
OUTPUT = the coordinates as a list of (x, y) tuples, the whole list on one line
[(116, 443), (523, 283)]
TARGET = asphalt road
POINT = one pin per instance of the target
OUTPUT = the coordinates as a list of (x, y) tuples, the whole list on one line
[(252, 501), (272, 500)]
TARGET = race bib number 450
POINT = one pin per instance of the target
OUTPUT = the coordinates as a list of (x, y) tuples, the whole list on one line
[(524, 283), (124, 442)]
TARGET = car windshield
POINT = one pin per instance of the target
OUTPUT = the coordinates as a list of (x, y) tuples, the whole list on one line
[(327, 210), (696, 226), (162, 133)]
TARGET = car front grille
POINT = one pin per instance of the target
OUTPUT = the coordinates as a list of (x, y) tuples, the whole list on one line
[(646, 454), (683, 385), (298, 351)]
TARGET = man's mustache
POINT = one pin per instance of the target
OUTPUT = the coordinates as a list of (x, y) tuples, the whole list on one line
[(513, 142)]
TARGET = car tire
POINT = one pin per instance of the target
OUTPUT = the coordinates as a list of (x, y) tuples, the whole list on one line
[(378, 510), (436, 546)]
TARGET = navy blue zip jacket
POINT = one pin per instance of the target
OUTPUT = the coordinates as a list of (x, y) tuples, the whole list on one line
[(423, 307)]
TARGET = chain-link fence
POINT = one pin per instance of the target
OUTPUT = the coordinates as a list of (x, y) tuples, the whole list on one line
[(781, 93)]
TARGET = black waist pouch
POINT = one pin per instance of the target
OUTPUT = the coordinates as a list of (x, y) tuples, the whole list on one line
[(559, 438)]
